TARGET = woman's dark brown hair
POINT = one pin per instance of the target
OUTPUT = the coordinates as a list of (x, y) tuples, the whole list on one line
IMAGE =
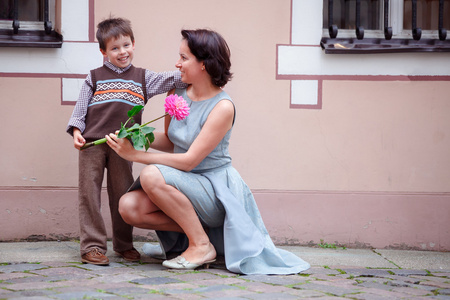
[(210, 48)]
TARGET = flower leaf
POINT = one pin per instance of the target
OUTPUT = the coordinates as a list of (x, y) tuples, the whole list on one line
[(149, 138), (138, 140), (122, 133), (135, 110), (134, 127), (147, 129)]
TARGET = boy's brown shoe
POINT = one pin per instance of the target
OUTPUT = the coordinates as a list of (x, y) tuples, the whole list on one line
[(131, 255), (95, 257)]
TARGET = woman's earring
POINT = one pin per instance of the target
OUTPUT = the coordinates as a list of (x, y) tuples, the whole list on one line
[(203, 68)]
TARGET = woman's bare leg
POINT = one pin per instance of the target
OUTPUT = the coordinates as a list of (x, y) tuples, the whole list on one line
[(178, 208), (139, 211)]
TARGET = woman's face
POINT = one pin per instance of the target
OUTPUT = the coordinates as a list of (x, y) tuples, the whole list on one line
[(189, 66)]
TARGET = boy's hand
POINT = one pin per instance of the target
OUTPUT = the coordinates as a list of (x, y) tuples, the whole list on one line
[(78, 139)]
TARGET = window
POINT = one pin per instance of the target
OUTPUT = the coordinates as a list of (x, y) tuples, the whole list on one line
[(378, 26), (28, 23)]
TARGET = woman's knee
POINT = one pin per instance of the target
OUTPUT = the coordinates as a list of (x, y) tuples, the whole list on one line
[(128, 208), (151, 178)]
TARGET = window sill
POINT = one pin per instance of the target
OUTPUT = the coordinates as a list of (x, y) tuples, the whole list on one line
[(30, 38), (373, 45)]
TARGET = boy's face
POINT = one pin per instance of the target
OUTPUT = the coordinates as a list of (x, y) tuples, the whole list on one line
[(120, 51)]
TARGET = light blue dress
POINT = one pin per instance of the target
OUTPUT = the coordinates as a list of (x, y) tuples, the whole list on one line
[(223, 202)]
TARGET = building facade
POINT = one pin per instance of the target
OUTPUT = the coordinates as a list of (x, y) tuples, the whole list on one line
[(348, 147)]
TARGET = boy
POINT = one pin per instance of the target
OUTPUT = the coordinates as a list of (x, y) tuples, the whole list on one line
[(106, 96)]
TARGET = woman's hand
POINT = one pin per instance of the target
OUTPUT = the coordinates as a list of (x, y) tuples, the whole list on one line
[(122, 147)]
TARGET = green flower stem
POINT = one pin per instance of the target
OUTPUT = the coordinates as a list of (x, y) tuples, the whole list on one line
[(103, 140), (97, 142), (152, 121)]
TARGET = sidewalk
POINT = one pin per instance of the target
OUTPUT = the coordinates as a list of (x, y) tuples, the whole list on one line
[(52, 270)]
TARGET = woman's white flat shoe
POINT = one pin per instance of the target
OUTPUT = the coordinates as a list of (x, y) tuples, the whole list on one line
[(180, 263)]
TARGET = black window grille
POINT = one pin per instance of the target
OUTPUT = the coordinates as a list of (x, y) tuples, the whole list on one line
[(30, 24), (362, 16)]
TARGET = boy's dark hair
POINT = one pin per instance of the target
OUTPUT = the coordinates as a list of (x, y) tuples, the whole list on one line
[(113, 28), (211, 48)]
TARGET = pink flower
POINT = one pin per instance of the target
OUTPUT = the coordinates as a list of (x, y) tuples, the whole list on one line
[(176, 107)]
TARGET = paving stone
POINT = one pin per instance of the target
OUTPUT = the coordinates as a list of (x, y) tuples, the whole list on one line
[(426, 287), (195, 276), (400, 283), (218, 281), (439, 285), (109, 271), (230, 293), (155, 280), (186, 297), (154, 297), (59, 264), (440, 297), (33, 298), (369, 296), (444, 292), (385, 293), (147, 267), (11, 277), (405, 272), (49, 279), (28, 294), (261, 287), (413, 291), (222, 272), (440, 273), (406, 279), (337, 291), (432, 278), (84, 295), (125, 277), (20, 267), (64, 271), (36, 285), (214, 288), (171, 286), (273, 279), (230, 298), (343, 283), (366, 272), (271, 296), (322, 276), (378, 280), (307, 294), (128, 291), (99, 267), (321, 270)]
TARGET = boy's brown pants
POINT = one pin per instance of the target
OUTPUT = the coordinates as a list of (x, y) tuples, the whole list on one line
[(91, 164)]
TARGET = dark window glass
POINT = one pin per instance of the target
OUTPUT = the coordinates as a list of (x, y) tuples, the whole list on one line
[(427, 14), (344, 14), (28, 10)]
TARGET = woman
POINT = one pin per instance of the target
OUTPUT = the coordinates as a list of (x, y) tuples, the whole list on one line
[(192, 188)]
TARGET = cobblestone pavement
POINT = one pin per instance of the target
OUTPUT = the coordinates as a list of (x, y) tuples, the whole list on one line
[(149, 280)]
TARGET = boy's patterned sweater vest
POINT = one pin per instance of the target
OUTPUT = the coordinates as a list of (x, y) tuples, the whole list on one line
[(114, 95)]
